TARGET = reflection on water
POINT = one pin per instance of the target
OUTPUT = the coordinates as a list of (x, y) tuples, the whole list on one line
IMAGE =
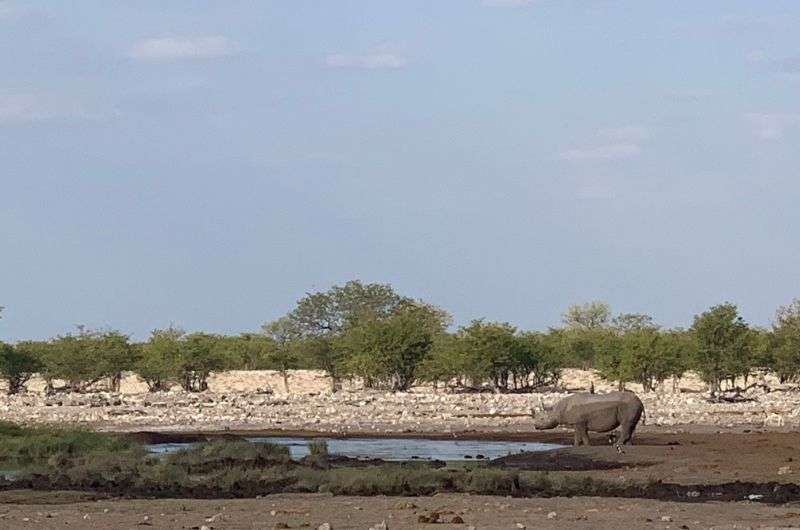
[(392, 448)]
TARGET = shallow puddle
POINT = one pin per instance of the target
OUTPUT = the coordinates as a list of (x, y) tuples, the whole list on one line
[(396, 449)]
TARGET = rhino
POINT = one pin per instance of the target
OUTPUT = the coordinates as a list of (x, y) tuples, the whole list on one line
[(595, 412)]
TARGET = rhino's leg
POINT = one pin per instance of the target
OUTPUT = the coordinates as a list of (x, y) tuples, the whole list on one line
[(626, 433), (581, 433)]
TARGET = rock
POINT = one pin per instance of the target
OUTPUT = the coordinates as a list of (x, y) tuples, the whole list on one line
[(774, 420), (379, 526), (325, 526), (552, 515), (520, 526), (784, 470), (405, 505), (457, 520), (666, 519)]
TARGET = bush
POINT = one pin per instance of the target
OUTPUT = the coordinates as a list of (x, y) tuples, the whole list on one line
[(30, 445), (159, 363), (723, 349), (200, 354), (17, 366), (86, 358)]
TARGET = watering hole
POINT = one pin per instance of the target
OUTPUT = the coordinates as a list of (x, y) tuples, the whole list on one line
[(390, 449)]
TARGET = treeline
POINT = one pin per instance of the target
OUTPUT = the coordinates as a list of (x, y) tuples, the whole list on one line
[(369, 332)]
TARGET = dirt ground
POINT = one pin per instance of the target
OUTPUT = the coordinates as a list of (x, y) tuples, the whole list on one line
[(683, 458), (310, 511)]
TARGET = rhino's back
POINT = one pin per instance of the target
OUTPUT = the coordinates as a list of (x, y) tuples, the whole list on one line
[(581, 406)]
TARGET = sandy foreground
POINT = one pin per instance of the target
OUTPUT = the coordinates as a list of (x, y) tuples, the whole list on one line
[(257, 400), (311, 511)]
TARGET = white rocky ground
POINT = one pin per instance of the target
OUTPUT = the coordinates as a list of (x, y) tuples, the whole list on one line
[(237, 401)]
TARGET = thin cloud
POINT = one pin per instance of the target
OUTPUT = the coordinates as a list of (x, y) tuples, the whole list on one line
[(8, 10), (30, 108), (630, 133), (179, 48), (370, 61), (771, 126), (601, 153), (507, 3), (691, 93), (613, 143)]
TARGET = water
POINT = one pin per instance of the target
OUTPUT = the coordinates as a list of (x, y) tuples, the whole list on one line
[(389, 449)]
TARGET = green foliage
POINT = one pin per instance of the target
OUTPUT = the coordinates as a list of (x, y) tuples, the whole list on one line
[(251, 351), (86, 358), (160, 359), (329, 312), (321, 354), (32, 445), (284, 353), (492, 349), (17, 366), (724, 346), (388, 350), (200, 354), (785, 342), (588, 316)]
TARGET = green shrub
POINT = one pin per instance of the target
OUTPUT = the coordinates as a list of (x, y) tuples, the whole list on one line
[(27, 445)]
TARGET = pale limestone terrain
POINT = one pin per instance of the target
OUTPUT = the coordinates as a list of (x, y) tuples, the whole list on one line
[(257, 400)]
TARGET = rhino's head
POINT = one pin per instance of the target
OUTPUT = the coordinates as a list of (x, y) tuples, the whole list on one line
[(544, 418), (545, 421)]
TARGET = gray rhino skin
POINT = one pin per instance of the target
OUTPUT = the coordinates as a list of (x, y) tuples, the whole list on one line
[(597, 413)]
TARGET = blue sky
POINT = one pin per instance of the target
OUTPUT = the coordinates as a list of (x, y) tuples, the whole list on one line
[(205, 163)]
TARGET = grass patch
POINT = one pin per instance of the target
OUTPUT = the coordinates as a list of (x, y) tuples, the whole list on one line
[(36, 445)]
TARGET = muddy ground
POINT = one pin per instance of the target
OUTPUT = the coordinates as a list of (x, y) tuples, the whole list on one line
[(310, 511), (694, 465)]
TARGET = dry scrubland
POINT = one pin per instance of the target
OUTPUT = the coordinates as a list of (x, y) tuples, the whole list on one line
[(238, 400)]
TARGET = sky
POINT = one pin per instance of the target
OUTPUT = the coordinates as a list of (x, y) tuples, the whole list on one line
[(206, 163)]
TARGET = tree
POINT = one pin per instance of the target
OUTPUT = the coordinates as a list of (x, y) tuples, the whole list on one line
[(588, 316), (492, 348), (87, 357), (200, 354), (446, 362), (723, 346), (320, 317), (114, 355), (625, 322), (786, 342), (250, 351), (283, 353), (537, 358), (17, 366), (159, 364), (389, 350), (325, 313), (321, 354), (630, 351)]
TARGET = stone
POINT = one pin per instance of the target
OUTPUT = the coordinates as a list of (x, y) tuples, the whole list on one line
[(666, 519), (552, 515), (325, 526), (784, 470), (379, 526)]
